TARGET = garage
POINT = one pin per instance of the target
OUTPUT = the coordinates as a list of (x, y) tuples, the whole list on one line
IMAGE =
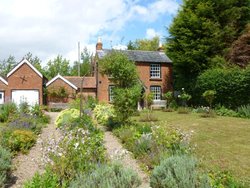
[(29, 96)]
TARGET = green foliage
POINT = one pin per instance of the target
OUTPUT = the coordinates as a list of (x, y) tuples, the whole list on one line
[(66, 116), (121, 70), (5, 165), (77, 152), (125, 102), (223, 179), (108, 176), (209, 96), (232, 86), (85, 65), (21, 140), (183, 110), (223, 111), (58, 94), (244, 111), (150, 143), (169, 98), (58, 65), (144, 44), (48, 179), (149, 99), (202, 30), (6, 110), (7, 65), (176, 172), (102, 113), (184, 97)]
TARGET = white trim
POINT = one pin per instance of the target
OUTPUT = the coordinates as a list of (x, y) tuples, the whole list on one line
[(62, 78), (20, 64), (3, 80)]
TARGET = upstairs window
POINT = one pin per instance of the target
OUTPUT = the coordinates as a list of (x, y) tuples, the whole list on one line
[(156, 90), (111, 93), (155, 71)]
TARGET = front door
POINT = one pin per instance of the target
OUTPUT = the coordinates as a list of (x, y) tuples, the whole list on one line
[(1, 97)]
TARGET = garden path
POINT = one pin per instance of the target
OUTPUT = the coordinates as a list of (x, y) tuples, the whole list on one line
[(116, 152), (27, 165)]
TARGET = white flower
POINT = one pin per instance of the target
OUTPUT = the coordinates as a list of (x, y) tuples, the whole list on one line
[(179, 96), (76, 145), (182, 89)]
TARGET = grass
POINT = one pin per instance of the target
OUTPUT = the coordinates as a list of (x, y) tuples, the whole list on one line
[(221, 143)]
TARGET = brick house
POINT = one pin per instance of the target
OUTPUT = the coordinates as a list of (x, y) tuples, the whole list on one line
[(24, 83), (72, 86), (154, 69)]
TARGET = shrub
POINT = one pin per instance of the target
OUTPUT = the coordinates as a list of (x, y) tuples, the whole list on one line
[(66, 116), (6, 110), (184, 97), (108, 176), (232, 86), (24, 108), (77, 152), (27, 122), (5, 165), (176, 172), (169, 98), (209, 96), (223, 111), (48, 179), (244, 111), (21, 140), (223, 179), (103, 112)]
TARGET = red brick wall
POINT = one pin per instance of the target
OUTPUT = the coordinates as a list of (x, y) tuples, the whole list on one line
[(57, 84), (144, 73), (34, 81), (4, 88), (88, 92)]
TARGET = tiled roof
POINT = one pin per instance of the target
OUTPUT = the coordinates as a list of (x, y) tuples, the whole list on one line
[(140, 56), (88, 82)]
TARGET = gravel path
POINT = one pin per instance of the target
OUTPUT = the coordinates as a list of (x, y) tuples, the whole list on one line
[(116, 151), (27, 165)]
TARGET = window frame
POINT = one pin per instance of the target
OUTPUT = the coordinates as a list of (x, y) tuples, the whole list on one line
[(156, 72), (155, 94), (111, 93)]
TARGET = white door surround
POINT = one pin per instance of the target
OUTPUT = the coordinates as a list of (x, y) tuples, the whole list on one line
[(1, 97)]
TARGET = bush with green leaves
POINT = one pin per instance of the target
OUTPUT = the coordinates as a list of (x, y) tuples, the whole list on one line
[(244, 111), (178, 171), (223, 111), (5, 165), (232, 86), (209, 96), (21, 140), (77, 151), (102, 113), (48, 179), (7, 110), (149, 143), (169, 97), (67, 116), (184, 97), (107, 176)]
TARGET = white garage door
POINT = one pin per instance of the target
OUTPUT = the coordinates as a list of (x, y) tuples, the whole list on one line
[(29, 96)]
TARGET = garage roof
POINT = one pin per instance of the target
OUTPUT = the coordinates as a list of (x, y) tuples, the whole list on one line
[(3, 80)]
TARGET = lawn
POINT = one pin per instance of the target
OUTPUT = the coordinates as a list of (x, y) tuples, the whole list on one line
[(221, 143)]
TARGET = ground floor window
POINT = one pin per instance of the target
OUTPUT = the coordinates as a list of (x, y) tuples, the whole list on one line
[(111, 93), (156, 90)]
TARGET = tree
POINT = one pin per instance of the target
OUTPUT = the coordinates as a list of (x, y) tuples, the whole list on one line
[(201, 30), (127, 90), (7, 65), (85, 65), (239, 53), (35, 61), (144, 44), (57, 66)]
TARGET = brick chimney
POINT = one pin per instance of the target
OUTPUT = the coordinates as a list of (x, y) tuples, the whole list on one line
[(99, 44), (160, 48)]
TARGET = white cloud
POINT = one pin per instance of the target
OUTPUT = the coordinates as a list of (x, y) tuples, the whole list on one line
[(151, 33), (50, 27)]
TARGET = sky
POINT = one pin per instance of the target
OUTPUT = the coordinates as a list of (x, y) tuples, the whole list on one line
[(48, 28)]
